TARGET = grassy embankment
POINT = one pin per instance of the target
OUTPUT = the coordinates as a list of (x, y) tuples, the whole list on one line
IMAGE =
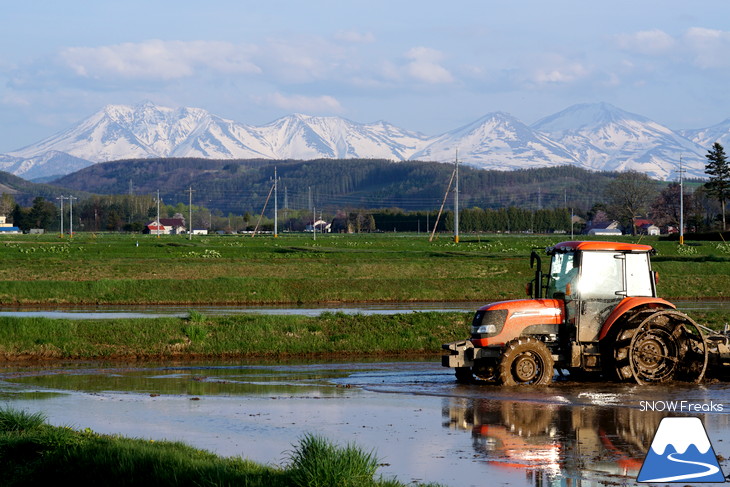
[(230, 336), (113, 269), (247, 336), (33, 453)]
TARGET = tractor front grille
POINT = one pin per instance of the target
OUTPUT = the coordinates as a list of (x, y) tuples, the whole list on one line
[(488, 323)]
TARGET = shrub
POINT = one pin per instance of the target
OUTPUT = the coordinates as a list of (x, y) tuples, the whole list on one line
[(14, 420), (318, 463)]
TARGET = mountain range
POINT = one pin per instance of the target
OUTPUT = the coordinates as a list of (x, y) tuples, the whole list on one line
[(595, 136)]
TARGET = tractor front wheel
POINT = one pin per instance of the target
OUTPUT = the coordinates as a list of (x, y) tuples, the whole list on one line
[(526, 361)]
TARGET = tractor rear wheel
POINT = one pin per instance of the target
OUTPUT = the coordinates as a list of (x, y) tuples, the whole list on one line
[(659, 347), (526, 361)]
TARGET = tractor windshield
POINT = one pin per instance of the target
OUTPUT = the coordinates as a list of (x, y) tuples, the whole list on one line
[(563, 270)]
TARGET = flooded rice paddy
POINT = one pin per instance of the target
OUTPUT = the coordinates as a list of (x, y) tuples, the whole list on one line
[(420, 423)]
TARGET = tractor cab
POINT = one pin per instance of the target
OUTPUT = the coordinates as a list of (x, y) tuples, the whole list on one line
[(592, 279)]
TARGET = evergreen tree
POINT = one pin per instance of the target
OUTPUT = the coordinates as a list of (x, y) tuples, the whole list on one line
[(718, 169), (42, 213)]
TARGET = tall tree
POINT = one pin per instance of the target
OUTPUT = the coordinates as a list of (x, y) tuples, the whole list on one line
[(628, 197), (7, 204), (666, 208), (718, 169)]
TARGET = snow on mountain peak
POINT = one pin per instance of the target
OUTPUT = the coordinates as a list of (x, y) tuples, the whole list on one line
[(585, 116), (604, 137), (595, 136)]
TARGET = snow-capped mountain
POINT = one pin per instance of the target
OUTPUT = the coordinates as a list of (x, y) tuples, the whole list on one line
[(594, 136), (44, 165), (607, 138), (708, 136), (305, 137), (497, 141), (146, 130)]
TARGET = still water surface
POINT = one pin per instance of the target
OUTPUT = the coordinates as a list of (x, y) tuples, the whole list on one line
[(420, 423), (148, 311)]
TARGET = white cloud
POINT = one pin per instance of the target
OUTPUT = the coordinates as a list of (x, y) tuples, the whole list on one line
[(556, 69), (650, 42), (302, 103), (699, 46), (710, 47), (424, 66), (157, 59)]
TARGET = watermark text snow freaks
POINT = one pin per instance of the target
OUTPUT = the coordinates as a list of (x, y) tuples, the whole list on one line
[(681, 406)]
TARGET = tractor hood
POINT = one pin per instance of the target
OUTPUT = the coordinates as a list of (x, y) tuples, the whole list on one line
[(498, 323)]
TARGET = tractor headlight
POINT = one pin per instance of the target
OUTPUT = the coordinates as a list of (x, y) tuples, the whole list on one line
[(488, 323), (484, 329)]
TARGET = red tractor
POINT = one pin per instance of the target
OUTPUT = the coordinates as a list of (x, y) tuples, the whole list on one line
[(595, 313)]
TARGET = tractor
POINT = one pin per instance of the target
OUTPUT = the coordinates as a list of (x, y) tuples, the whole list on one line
[(594, 314)]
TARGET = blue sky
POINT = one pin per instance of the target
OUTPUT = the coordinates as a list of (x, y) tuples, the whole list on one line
[(426, 66)]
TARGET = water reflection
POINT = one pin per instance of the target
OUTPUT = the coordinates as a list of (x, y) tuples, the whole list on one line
[(204, 380), (160, 311), (422, 423), (556, 444)]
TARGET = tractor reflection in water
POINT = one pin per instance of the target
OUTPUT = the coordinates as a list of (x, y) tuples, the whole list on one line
[(551, 442)]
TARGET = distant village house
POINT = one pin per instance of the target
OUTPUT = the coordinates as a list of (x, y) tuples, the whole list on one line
[(646, 227), (603, 228), (7, 228), (320, 225), (166, 226)]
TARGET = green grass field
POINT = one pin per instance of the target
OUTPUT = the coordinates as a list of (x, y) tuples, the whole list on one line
[(144, 269), (33, 453)]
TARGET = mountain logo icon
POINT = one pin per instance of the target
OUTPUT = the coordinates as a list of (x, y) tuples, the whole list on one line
[(681, 451)]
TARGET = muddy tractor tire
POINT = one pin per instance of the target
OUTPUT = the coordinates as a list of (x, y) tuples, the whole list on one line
[(526, 361), (660, 346), (463, 375)]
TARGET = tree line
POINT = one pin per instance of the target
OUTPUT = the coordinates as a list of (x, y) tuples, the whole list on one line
[(491, 201)]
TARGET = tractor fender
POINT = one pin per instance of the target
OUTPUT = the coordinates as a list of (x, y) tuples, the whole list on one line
[(628, 304)]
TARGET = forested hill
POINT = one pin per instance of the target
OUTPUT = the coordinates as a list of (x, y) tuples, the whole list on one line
[(327, 184), (24, 192)]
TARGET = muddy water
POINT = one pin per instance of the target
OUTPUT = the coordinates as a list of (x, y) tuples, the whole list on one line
[(420, 423)]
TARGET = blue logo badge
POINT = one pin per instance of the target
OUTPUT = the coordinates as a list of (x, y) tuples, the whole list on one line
[(681, 451)]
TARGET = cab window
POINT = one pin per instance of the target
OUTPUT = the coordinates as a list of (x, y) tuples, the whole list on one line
[(601, 275), (562, 272)]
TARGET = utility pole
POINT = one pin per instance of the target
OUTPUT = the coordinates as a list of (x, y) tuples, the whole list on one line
[(190, 213), (61, 198), (446, 195), (456, 199), (158, 213), (571, 224), (71, 215), (681, 202), (286, 203), (314, 224), (276, 205)]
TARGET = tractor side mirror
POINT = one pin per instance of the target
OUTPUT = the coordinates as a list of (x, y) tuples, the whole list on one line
[(535, 257)]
